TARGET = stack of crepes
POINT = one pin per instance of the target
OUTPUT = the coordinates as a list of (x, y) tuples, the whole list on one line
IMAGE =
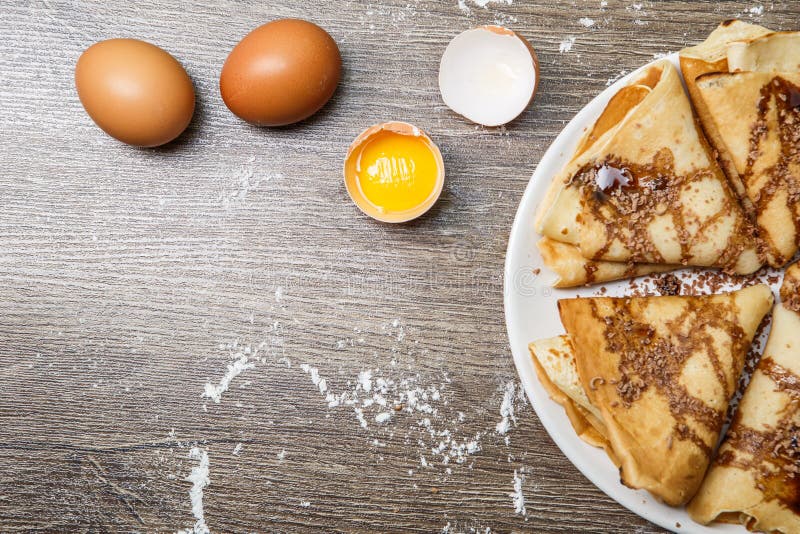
[(661, 181), (650, 190), (650, 380)]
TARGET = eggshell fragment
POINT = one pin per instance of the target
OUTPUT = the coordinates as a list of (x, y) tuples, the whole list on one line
[(488, 75), (135, 91)]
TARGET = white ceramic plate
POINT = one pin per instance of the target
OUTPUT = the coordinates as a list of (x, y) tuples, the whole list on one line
[(531, 313)]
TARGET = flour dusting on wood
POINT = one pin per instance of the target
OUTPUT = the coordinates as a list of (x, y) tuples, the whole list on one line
[(199, 478), (566, 45), (244, 357), (616, 77), (511, 397), (317, 380), (462, 4), (500, 19), (237, 367), (247, 178), (388, 400), (517, 496)]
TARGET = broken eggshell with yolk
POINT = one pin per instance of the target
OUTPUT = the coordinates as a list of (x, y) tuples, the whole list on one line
[(488, 75), (394, 172)]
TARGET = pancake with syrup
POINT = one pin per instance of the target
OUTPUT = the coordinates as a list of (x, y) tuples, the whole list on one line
[(712, 56), (747, 93), (650, 379), (755, 479), (644, 188)]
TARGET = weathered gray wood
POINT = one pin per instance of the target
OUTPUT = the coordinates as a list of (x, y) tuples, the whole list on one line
[(122, 271)]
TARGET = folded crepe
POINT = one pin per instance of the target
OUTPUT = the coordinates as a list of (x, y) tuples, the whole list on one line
[(773, 52), (554, 361), (745, 85), (712, 56), (650, 379), (755, 479), (644, 187), (572, 269)]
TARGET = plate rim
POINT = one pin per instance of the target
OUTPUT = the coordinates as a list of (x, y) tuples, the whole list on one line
[(636, 501)]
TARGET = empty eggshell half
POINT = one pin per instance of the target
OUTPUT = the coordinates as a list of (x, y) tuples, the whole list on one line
[(489, 75)]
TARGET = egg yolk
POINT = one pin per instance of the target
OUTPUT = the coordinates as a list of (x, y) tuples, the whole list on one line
[(396, 172)]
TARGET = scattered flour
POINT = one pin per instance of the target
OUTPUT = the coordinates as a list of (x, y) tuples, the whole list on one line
[(462, 4), (383, 417), (237, 450), (365, 380), (245, 357), (616, 77), (566, 45), (503, 19), (393, 402), (246, 179), (361, 419), (199, 479), (240, 365), (507, 409), (464, 527), (394, 15), (500, 19), (517, 496), (397, 329), (638, 9), (318, 381), (586, 22), (390, 400), (305, 504), (756, 10)]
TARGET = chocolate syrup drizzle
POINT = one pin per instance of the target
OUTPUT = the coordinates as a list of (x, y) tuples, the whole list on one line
[(639, 195), (650, 360), (786, 98), (771, 454), (790, 290)]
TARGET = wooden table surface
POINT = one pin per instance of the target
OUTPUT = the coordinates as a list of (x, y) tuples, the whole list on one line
[(133, 282)]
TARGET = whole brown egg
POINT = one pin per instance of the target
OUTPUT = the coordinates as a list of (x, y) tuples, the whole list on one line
[(281, 73), (135, 91)]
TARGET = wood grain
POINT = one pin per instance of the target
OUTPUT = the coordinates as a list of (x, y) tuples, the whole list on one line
[(125, 273)]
